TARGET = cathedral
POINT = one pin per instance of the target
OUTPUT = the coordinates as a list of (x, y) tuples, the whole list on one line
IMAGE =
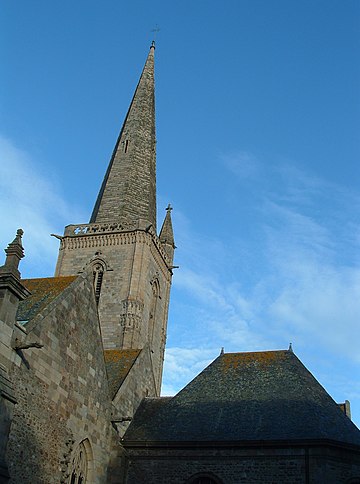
[(81, 360)]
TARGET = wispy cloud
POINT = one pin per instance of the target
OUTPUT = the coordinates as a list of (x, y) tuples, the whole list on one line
[(29, 200), (242, 164), (303, 283), (182, 365)]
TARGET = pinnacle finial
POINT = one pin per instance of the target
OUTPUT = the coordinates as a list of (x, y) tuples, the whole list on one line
[(14, 253), (19, 234), (169, 208), (290, 348), (222, 351)]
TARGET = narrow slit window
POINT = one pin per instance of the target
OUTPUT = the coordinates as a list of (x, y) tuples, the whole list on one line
[(152, 315), (98, 278)]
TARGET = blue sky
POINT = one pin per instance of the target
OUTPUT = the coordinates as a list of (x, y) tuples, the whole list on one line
[(258, 116)]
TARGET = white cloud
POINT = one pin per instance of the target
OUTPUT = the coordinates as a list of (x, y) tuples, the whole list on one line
[(182, 365), (321, 303), (305, 281), (243, 164), (30, 201)]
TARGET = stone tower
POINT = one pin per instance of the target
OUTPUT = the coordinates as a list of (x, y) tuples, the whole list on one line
[(131, 264)]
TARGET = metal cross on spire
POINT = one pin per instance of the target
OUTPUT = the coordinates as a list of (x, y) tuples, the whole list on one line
[(155, 30)]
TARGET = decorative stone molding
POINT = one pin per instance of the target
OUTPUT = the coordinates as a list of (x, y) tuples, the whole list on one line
[(98, 258), (131, 316), (121, 230), (91, 229)]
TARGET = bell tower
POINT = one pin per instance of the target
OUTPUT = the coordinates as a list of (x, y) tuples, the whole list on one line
[(131, 265)]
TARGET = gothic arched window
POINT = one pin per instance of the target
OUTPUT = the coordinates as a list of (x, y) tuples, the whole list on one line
[(79, 468)]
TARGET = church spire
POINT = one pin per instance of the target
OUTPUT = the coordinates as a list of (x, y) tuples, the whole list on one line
[(128, 192)]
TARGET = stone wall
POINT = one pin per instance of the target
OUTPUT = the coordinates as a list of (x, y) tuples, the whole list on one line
[(61, 391), (138, 384), (287, 465)]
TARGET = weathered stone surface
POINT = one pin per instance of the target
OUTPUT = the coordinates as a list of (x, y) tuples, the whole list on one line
[(263, 464), (128, 192), (62, 392)]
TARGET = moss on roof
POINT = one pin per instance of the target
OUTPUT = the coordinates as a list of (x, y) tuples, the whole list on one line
[(260, 396), (43, 292), (118, 364)]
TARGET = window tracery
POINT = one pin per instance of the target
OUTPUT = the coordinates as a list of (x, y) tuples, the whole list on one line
[(79, 468)]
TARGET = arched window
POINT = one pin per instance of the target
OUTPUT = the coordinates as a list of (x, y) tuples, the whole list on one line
[(204, 478), (152, 316), (79, 468), (98, 272)]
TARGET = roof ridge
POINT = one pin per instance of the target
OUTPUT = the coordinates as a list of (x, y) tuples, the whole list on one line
[(255, 352)]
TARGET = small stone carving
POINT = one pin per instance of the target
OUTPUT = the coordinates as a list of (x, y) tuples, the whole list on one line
[(18, 345)]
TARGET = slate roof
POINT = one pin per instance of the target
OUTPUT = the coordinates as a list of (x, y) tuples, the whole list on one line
[(257, 396), (118, 364), (43, 291)]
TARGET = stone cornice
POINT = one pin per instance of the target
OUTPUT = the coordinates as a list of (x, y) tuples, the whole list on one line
[(241, 444), (82, 236), (13, 284)]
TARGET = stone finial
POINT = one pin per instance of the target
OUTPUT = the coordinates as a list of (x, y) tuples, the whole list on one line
[(222, 351), (290, 348), (14, 253)]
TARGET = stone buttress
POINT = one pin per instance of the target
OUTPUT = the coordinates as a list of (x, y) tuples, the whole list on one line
[(131, 265)]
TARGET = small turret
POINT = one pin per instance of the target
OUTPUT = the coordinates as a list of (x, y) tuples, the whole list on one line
[(167, 236)]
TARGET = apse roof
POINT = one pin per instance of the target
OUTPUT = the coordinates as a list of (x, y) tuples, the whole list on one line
[(43, 292), (258, 396)]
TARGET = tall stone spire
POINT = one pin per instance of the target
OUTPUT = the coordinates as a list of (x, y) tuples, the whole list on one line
[(130, 265), (128, 192)]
